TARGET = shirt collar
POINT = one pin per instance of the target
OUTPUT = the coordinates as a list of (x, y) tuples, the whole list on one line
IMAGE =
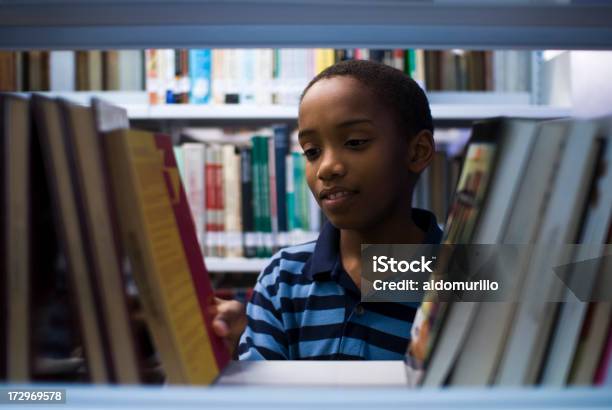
[(326, 252)]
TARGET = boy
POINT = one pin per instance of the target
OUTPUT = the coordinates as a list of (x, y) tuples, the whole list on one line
[(367, 134)]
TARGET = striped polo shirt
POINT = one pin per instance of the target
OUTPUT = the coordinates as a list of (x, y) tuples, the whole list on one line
[(306, 306)]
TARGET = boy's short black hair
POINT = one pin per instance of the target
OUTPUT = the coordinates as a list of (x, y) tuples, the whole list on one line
[(394, 88)]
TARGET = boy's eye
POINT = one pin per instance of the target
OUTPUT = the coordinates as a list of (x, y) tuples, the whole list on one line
[(356, 142), (311, 153)]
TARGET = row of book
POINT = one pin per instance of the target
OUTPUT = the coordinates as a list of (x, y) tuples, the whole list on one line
[(101, 276), (543, 185), (249, 199), (259, 76), (62, 70)]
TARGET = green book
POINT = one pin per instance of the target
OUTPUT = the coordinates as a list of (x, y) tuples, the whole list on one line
[(301, 192), (266, 212)]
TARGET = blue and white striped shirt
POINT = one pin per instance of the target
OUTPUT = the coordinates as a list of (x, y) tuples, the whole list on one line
[(306, 306)]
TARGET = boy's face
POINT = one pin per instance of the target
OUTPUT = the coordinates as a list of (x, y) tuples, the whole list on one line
[(356, 158)]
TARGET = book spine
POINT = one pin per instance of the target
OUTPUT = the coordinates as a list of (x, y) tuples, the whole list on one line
[(257, 195), (200, 73), (193, 163), (110, 70), (603, 374), (246, 183), (62, 69), (8, 71), (266, 214), (130, 77), (301, 192), (231, 192), (272, 194), (220, 234), (290, 196), (210, 201), (152, 74), (95, 68), (281, 150), (199, 275)]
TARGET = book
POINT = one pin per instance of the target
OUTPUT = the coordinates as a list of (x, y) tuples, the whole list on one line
[(516, 137), (232, 201), (158, 232), (35, 68), (431, 348), (589, 360), (200, 76), (153, 75), (471, 190), (246, 196), (9, 71), (62, 69), (110, 70), (281, 150), (194, 172), (15, 231), (533, 321), (595, 228), (72, 243), (94, 202), (131, 70), (603, 375), (210, 198)]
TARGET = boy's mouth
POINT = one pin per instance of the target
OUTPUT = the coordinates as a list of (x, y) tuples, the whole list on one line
[(335, 197)]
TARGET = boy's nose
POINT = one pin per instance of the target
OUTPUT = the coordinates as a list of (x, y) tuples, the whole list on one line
[(331, 167)]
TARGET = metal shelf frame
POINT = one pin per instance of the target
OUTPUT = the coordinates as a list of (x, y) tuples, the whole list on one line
[(83, 24)]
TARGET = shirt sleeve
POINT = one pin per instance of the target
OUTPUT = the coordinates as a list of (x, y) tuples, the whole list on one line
[(264, 337)]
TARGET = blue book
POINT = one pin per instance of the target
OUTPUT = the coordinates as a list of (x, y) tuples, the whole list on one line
[(200, 76)]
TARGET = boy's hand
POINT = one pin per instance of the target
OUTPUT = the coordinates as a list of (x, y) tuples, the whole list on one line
[(229, 321)]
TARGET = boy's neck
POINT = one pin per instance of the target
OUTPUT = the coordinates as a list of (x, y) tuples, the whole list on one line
[(403, 230)]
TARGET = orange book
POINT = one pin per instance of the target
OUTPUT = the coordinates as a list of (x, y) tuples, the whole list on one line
[(160, 238)]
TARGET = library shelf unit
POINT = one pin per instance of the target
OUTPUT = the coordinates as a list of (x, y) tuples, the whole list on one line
[(470, 24), (446, 107), (484, 24), (322, 398), (235, 265)]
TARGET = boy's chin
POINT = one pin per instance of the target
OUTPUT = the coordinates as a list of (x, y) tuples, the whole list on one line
[(349, 222)]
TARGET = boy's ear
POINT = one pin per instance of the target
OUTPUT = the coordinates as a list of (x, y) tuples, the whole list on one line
[(421, 151)]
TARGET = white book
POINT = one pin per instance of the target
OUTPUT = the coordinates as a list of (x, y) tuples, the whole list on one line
[(62, 70), (452, 335), (526, 343), (193, 179), (264, 66), (476, 363), (130, 70), (573, 311), (231, 195)]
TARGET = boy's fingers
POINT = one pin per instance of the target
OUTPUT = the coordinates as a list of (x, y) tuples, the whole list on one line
[(220, 327), (230, 318)]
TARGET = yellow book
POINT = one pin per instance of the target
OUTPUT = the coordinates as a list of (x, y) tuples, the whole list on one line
[(159, 235)]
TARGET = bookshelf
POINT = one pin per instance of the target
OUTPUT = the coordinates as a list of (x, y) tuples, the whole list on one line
[(235, 265), (93, 24), (447, 107), (85, 397)]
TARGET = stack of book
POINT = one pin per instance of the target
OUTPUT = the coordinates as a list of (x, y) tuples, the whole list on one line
[(541, 185), (99, 251)]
